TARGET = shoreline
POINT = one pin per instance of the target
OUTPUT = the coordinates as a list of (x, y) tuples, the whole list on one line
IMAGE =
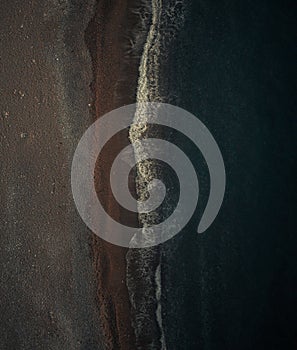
[(107, 38)]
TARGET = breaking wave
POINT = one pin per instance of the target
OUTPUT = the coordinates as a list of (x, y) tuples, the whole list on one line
[(144, 268)]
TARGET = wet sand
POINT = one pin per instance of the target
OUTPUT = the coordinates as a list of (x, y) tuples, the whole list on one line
[(115, 81)]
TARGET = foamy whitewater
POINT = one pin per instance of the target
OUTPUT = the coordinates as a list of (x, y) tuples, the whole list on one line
[(144, 268)]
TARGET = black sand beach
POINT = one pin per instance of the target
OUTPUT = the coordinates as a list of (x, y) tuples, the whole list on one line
[(66, 63)]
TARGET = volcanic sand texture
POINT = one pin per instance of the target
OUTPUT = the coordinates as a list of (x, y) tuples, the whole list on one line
[(47, 288)]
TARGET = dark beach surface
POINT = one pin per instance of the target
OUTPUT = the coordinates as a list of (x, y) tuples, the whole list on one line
[(48, 283), (66, 63)]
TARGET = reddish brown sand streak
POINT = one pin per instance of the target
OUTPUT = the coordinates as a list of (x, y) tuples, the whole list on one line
[(115, 82)]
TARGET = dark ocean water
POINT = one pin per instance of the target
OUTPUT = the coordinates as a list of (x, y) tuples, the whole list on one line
[(232, 65)]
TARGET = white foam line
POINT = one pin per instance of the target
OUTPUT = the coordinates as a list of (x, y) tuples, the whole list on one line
[(148, 91)]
